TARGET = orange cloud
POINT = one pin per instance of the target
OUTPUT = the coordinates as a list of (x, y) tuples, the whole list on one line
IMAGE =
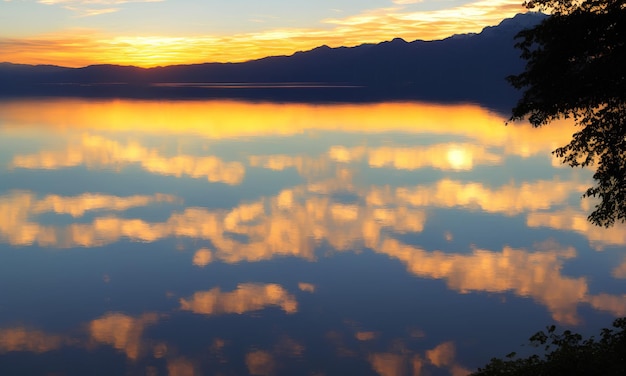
[(98, 152), (246, 298), (18, 207), (620, 271), (574, 220), (23, 339), (509, 199), (181, 367), (389, 364), (615, 304), (202, 257), (442, 355), (528, 274), (124, 333), (78, 205), (308, 287), (71, 49), (404, 363), (451, 156), (261, 363), (289, 224)]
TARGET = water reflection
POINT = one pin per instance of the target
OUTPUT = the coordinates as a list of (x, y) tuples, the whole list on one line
[(533, 274), (397, 364), (450, 156), (23, 339), (126, 335), (123, 332), (202, 257), (99, 152), (19, 227), (246, 298), (576, 221), (230, 120), (620, 271), (291, 238)]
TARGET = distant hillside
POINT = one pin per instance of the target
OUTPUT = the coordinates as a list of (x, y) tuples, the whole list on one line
[(462, 67)]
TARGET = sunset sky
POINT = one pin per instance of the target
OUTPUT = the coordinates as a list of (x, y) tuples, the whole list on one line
[(162, 32)]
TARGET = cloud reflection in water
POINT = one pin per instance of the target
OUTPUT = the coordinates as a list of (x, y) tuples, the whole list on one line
[(331, 209)]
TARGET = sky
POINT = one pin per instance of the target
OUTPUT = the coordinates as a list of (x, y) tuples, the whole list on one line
[(150, 33)]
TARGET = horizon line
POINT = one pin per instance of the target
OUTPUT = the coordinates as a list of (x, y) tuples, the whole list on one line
[(157, 58)]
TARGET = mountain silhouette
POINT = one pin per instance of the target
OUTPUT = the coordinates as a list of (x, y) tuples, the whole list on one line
[(467, 67)]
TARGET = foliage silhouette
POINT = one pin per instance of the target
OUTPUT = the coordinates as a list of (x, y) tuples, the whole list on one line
[(576, 68), (570, 355)]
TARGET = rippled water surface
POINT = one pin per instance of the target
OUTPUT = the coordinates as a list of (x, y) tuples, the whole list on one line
[(232, 238)]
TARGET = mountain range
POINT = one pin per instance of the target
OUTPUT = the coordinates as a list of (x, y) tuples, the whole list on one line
[(467, 67)]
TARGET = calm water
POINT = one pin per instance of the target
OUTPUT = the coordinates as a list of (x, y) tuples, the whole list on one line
[(231, 238)]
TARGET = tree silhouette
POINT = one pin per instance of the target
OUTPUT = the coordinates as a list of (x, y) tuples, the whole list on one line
[(576, 68), (568, 354)]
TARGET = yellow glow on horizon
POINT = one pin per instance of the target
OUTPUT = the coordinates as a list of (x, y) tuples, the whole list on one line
[(224, 119), (77, 48)]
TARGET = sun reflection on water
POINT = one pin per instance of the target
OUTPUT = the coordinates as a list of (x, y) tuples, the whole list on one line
[(398, 184)]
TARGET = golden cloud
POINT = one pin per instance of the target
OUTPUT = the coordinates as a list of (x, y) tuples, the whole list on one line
[(246, 298), (451, 156), (23, 339), (308, 287), (261, 363), (509, 199), (202, 257), (294, 221), (404, 362), (181, 367), (18, 207), (442, 355), (389, 364), (124, 333), (620, 271), (80, 49), (291, 223), (573, 220), (527, 274), (615, 304), (99, 152)]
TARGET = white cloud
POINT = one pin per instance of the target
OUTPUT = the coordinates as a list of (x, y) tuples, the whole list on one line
[(86, 8)]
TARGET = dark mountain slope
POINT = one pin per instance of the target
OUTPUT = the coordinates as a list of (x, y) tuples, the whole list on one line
[(462, 67)]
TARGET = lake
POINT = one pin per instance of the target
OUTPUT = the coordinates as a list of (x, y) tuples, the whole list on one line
[(228, 238)]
